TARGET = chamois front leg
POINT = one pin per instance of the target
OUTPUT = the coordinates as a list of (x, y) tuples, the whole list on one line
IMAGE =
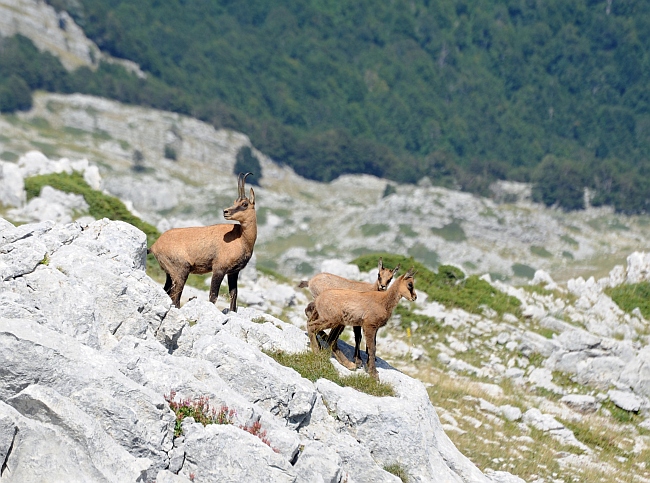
[(370, 334), (332, 341), (232, 288), (217, 278), (334, 335), (357, 346)]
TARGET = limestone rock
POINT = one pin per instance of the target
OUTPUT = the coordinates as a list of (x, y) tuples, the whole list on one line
[(581, 402), (12, 185)]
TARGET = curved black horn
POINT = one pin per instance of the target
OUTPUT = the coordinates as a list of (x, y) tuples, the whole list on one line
[(240, 186), (243, 184)]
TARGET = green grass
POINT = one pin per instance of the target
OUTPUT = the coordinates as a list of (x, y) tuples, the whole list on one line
[(632, 295), (420, 252), (621, 415), (453, 232), (48, 150), (538, 290), (540, 251), (199, 409), (100, 205), (269, 272), (570, 241), (374, 229), (407, 230), (8, 156), (398, 470), (523, 271), (318, 366), (448, 286)]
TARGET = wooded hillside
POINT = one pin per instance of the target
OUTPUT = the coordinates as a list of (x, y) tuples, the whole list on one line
[(553, 91)]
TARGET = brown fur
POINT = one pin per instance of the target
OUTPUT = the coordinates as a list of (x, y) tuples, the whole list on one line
[(369, 310), (222, 249), (327, 281)]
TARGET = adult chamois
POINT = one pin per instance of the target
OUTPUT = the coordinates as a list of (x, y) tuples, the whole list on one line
[(328, 281), (369, 310), (223, 249)]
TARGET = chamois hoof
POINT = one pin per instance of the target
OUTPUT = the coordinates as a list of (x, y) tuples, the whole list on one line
[(344, 361), (358, 363)]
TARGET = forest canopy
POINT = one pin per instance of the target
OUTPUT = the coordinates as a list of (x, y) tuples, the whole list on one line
[(552, 92)]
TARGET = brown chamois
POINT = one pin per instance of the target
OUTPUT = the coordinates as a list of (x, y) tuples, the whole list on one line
[(327, 281), (369, 310), (222, 249)]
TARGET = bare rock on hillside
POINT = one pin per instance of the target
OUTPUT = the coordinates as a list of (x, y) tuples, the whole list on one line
[(90, 348), (54, 32)]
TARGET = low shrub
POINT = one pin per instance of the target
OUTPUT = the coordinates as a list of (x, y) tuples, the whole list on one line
[(200, 410), (449, 286), (100, 205)]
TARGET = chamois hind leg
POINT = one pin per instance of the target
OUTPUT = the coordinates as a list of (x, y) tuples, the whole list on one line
[(178, 280), (370, 334), (357, 343), (168, 284), (309, 310), (232, 288), (333, 340), (312, 322)]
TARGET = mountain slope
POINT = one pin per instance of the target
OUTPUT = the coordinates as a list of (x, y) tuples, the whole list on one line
[(462, 93)]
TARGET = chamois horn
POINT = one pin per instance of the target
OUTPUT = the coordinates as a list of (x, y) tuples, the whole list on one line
[(241, 182)]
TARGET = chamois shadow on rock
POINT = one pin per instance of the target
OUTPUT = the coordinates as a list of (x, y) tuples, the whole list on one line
[(348, 351)]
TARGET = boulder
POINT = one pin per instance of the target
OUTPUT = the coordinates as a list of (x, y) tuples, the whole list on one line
[(12, 185)]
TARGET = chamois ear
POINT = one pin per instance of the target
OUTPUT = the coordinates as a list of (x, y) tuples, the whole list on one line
[(381, 264), (411, 273), (251, 198), (396, 269)]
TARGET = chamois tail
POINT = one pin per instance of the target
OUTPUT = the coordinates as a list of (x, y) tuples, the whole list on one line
[(303, 284)]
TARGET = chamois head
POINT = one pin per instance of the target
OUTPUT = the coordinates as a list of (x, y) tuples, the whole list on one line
[(244, 208), (385, 275), (406, 285)]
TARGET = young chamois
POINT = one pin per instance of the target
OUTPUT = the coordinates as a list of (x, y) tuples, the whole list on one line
[(369, 310), (327, 281), (222, 249)]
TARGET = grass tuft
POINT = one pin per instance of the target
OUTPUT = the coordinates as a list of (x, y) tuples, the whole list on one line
[(398, 470), (318, 366), (632, 295)]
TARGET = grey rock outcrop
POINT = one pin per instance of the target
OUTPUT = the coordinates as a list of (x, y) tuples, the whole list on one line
[(54, 32), (90, 349)]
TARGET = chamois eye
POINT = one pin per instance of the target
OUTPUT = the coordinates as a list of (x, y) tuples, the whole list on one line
[(245, 204), (410, 286)]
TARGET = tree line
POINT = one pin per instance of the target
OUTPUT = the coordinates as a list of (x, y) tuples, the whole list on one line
[(462, 92)]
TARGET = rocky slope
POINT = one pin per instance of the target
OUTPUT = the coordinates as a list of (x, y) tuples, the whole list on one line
[(90, 347), (304, 223), (557, 392)]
